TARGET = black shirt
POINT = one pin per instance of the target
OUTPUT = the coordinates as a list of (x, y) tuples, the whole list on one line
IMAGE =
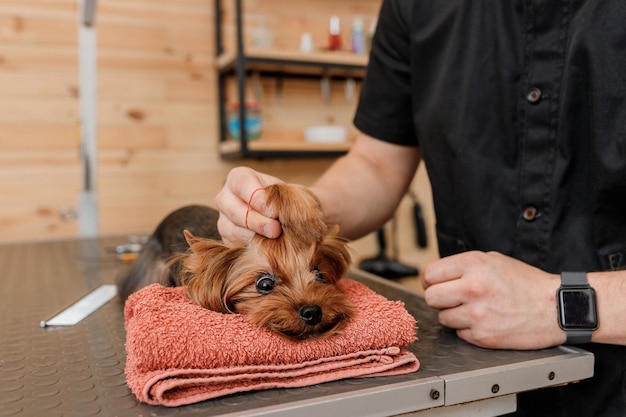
[(519, 109)]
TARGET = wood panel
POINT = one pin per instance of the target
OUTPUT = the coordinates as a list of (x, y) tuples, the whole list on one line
[(156, 111)]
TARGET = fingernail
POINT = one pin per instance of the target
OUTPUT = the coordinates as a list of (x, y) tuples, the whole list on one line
[(267, 231), (269, 212)]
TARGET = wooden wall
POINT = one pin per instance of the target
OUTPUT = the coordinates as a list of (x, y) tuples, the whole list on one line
[(157, 110), (155, 113)]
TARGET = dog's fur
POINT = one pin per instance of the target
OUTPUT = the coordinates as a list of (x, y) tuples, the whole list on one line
[(287, 284)]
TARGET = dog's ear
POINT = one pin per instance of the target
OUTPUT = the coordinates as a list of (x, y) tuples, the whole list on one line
[(205, 268), (333, 256), (299, 212), (190, 238)]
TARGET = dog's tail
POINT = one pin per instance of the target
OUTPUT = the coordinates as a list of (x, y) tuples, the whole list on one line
[(148, 268)]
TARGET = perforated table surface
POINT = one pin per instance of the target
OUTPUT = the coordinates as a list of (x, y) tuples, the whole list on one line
[(79, 370)]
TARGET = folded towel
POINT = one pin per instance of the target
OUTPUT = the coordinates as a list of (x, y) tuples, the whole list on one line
[(180, 353)]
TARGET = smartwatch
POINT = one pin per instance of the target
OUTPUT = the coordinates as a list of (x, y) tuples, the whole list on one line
[(577, 309)]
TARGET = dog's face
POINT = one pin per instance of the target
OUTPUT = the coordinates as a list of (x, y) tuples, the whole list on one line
[(288, 284)]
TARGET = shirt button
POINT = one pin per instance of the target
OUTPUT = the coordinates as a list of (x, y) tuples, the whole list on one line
[(534, 95), (530, 213)]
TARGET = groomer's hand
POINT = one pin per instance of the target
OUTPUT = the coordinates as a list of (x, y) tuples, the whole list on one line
[(232, 202), (495, 301)]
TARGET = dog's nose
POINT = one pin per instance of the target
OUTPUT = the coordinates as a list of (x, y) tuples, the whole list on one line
[(311, 315)]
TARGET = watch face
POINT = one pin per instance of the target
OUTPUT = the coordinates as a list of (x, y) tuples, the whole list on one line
[(578, 308)]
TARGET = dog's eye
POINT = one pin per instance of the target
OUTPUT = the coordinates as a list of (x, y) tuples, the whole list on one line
[(265, 284), (318, 275)]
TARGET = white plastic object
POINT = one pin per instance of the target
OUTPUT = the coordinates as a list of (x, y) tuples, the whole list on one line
[(326, 134)]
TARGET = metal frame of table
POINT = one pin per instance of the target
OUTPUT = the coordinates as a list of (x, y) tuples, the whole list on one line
[(79, 370)]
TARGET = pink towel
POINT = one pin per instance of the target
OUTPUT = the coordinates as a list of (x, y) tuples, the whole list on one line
[(180, 353)]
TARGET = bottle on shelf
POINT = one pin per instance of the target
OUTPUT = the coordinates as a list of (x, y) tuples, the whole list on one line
[(358, 36), (306, 42), (334, 35), (253, 123)]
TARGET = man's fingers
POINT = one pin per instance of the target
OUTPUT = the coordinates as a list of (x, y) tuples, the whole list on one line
[(263, 225), (232, 208), (233, 235), (459, 317), (444, 269), (242, 207), (444, 295)]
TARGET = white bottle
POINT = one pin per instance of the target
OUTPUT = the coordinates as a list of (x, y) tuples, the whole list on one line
[(306, 42)]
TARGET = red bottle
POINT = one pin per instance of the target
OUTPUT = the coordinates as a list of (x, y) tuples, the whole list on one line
[(334, 37)]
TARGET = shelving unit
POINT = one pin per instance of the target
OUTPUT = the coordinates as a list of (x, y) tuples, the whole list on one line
[(274, 63)]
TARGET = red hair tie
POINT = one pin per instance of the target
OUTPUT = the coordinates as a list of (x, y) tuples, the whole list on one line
[(250, 202)]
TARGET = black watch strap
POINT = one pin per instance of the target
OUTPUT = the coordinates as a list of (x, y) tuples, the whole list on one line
[(578, 337), (576, 280)]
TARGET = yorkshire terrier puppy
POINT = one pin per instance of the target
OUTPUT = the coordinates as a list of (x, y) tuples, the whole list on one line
[(287, 284)]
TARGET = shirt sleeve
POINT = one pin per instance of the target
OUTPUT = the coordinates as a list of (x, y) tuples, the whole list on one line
[(384, 110)]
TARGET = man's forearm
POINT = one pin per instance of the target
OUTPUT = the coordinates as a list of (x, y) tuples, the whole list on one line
[(361, 190)]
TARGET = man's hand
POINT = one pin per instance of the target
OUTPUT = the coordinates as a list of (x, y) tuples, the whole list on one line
[(495, 301), (232, 202)]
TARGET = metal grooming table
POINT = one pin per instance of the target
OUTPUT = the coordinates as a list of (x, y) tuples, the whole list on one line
[(79, 370)]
